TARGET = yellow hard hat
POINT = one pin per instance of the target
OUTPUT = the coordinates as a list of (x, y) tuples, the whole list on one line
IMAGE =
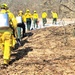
[(4, 5), (34, 11), (27, 10)]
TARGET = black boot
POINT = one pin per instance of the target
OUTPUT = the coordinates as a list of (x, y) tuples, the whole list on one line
[(4, 66)]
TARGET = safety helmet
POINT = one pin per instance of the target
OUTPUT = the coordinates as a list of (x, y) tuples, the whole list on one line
[(4, 6), (20, 12), (27, 10), (34, 11)]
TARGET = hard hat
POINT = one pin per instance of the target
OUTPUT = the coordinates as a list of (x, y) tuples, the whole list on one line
[(4, 6), (34, 11), (27, 10)]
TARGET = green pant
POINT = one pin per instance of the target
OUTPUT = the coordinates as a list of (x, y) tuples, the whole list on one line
[(54, 20), (44, 21), (19, 32), (35, 23), (28, 22)]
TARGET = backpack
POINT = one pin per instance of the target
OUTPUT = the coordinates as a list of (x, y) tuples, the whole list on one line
[(19, 19), (4, 20)]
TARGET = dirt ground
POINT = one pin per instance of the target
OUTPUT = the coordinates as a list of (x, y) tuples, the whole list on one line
[(47, 51)]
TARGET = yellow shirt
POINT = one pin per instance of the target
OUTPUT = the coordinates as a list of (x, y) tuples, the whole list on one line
[(28, 15), (24, 18), (44, 15), (54, 15), (35, 16), (3, 11), (12, 19)]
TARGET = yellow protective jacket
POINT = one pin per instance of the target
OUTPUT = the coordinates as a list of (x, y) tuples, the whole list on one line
[(24, 18), (3, 11), (44, 15), (35, 16), (54, 15), (12, 19), (28, 15)]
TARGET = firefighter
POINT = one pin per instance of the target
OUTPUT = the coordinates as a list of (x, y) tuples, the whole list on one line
[(28, 17), (12, 21), (55, 16), (35, 19), (20, 24), (7, 38), (44, 18)]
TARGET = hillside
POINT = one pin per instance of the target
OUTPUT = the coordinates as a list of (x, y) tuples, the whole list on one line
[(65, 8), (47, 51)]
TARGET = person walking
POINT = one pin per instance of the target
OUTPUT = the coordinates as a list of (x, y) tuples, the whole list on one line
[(55, 16), (8, 39), (20, 24), (28, 17), (44, 18), (35, 19)]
